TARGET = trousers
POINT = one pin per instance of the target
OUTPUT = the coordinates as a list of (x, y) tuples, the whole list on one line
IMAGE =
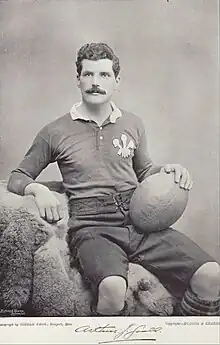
[(102, 241)]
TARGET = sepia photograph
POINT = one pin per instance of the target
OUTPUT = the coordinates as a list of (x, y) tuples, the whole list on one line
[(109, 170)]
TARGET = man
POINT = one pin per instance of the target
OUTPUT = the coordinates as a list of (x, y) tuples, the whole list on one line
[(102, 155)]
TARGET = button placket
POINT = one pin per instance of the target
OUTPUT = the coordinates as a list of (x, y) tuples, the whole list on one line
[(97, 139), (101, 136)]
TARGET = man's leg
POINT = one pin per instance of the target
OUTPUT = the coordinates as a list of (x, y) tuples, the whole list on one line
[(103, 264), (111, 295), (184, 268), (203, 295)]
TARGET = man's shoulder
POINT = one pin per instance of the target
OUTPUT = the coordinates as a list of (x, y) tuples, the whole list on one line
[(60, 121), (132, 118), (56, 125)]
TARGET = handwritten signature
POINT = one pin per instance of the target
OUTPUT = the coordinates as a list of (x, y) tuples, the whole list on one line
[(120, 335)]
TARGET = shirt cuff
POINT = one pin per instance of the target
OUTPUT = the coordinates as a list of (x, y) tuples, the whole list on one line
[(18, 182)]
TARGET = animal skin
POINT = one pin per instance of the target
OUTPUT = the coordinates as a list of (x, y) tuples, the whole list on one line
[(35, 274)]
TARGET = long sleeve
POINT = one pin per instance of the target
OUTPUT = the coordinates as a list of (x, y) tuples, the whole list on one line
[(142, 163), (36, 159)]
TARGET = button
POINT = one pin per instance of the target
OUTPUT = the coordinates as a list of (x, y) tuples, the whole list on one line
[(101, 137), (101, 127)]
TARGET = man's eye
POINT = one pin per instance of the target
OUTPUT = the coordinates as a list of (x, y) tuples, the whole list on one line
[(104, 74), (87, 74)]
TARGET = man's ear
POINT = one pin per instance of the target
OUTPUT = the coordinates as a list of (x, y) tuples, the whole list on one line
[(78, 81), (118, 80)]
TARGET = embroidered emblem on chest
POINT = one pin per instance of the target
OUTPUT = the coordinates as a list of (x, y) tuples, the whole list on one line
[(124, 147)]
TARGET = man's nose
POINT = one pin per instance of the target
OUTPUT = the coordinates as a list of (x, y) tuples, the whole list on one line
[(95, 81)]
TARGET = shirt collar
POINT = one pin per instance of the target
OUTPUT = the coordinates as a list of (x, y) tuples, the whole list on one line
[(116, 113)]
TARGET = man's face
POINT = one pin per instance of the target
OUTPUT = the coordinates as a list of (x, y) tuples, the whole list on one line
[(97, 81)]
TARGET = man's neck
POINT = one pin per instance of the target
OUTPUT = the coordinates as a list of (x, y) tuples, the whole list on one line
[(96, 112)]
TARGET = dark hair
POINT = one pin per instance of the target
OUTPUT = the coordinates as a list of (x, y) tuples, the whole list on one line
[(97, 51)]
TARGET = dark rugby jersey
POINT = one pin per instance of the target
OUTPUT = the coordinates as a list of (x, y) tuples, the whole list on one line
[(93, 160)]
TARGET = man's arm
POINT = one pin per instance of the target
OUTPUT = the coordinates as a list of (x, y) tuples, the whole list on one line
[(144, 167), (22, 180), (142, 163), (36, 159)]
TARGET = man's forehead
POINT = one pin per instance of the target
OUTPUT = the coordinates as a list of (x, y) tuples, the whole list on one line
[(97, 65)]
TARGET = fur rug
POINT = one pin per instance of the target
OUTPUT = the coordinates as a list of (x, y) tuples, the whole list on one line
[(35, 275)]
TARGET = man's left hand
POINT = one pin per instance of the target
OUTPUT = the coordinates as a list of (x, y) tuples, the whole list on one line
[(181, 175)]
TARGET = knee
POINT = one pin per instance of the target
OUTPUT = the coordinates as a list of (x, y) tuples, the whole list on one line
[(112, 291), (207, 278)]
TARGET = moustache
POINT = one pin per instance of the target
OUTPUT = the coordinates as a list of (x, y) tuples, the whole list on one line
[(95, 90)]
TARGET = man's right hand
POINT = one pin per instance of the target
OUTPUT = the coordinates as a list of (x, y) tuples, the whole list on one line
[(49, 207)]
